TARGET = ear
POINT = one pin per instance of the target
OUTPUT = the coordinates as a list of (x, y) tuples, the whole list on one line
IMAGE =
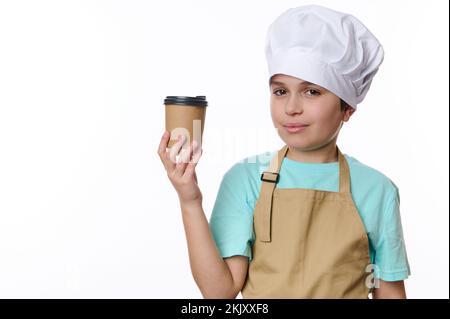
[(348, 111)]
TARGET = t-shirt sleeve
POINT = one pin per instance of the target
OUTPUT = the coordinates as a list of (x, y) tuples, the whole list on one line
[(391, 260), (231, 221)]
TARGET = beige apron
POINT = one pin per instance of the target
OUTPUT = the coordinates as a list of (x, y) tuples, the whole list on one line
[(308, 243)]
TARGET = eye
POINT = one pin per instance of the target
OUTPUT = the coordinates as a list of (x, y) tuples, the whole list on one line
[(315, 92), (279, 90)]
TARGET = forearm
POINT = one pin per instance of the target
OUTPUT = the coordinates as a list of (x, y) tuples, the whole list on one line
[(208, 268), (390, 290)]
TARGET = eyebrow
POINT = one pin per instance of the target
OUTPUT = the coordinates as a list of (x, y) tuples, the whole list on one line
[(281, 83)]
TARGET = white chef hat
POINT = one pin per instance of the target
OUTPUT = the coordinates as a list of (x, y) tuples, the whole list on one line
[(329, 48)]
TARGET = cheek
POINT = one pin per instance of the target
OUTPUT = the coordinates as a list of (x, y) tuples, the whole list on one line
[(275, 112), (323, 116)]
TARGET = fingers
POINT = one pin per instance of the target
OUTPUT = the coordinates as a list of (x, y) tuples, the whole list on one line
[(190, 167), (175, 149), (188, 157), (162, 151), (183, 160)]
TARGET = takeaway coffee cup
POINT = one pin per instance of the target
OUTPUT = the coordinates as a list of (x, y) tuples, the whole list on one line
[(185, 115)]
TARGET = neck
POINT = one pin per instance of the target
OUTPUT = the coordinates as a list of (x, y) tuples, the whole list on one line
[(323, 154)]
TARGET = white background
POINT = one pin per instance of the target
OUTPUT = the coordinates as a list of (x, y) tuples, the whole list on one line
[(86, 209)]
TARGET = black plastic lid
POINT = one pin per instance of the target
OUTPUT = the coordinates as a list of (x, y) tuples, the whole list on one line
[(186, 100)]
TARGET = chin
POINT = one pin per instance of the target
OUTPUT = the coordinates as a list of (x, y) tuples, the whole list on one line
[(298, 142)]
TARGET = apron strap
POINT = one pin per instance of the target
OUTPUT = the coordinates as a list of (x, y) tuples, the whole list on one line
[(344, 173), (270, 178)]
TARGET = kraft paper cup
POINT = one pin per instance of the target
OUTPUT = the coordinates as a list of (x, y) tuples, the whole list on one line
[(185, 115)]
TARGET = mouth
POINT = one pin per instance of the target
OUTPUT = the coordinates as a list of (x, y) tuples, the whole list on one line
[(295, 127)]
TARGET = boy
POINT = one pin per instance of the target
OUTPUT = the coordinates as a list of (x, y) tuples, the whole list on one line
[(313, 223)]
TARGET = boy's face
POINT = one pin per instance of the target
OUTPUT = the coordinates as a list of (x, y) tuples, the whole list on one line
[(294, 101)]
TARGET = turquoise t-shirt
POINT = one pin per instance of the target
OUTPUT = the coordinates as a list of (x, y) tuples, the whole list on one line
[(376, 197)]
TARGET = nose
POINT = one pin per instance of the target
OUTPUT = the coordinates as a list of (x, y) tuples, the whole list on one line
[(293, 105)]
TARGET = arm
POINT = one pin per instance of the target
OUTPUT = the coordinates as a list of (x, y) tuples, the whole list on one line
[(390, 290), (390, 250), (216, 277)]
